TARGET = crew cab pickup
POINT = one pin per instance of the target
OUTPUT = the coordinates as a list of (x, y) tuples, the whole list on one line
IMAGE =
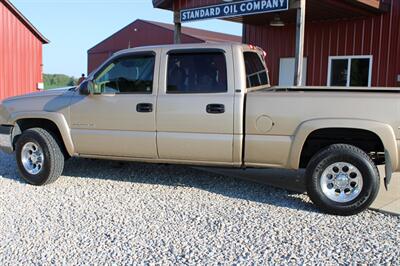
[(210, 105)]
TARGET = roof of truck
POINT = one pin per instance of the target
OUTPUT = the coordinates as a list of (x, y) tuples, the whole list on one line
[(223, 45)]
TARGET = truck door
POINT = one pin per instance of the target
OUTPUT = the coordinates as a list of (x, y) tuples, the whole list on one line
[(196, 106), (119, 119)]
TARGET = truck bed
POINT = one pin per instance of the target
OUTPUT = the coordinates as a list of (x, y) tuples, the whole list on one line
[(336, 89)]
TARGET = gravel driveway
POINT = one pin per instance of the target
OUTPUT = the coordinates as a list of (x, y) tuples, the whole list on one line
[(101, 212)]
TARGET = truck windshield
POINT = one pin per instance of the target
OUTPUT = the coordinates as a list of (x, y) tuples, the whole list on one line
[(256, 73)]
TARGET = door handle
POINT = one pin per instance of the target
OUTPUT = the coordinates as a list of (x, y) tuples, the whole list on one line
[(215, 108), (144, 108)]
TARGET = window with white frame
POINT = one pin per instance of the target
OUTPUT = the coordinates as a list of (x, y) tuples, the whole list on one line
[(350, 71)]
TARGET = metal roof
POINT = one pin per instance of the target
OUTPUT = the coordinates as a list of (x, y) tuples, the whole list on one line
[(205, 35), (201, 35), (162, 3), (24, 21)]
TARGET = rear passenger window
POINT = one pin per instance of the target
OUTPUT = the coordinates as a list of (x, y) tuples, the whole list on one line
[(197, 73), (255, 70)]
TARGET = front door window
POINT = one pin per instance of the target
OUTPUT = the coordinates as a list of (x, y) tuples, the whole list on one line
[(127, 75)]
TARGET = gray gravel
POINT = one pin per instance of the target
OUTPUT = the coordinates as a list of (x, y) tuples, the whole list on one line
[(101, 212)]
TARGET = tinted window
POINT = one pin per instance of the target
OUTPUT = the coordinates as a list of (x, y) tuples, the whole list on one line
[(197, 73), (356, 76), (339, 72), (255, 70), (132, 74), (359, 72)]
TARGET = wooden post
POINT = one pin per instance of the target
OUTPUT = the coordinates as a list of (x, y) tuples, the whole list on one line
[(178, 27), (300, 29)]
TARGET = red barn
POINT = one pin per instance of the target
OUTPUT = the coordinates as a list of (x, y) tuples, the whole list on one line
[(20, 53), (346, 43), (143, 33)]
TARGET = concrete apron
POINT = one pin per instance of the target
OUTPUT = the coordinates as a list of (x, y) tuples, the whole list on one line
[(386, 202)]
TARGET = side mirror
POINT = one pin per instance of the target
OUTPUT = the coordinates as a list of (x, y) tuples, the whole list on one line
[(86, 87)]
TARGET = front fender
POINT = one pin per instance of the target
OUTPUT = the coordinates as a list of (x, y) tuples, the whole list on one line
[(383, 131), (57, 118)]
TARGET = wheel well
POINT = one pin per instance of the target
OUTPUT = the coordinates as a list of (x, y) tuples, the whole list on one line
[(363, 139), (49, 125)]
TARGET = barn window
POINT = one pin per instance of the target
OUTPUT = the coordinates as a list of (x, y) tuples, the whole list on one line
[(350, 71)]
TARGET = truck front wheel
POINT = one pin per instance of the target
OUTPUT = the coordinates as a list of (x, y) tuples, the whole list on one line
[(39, 157), (342, 180)]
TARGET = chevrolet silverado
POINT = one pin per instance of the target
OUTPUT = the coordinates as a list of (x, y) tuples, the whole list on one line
[(210, 105)]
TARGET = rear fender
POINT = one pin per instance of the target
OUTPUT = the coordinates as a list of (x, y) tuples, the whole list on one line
[(383, 131)]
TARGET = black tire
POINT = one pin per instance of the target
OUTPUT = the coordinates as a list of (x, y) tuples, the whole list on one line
[(53, 164), (349, 154)]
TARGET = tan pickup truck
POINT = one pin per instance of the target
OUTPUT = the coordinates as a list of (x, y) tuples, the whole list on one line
[(211, 105)]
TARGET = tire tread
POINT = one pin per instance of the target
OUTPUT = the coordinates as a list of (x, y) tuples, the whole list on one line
[(312, 186), (56, 160)]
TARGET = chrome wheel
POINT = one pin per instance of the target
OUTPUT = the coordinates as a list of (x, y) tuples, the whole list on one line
[(32, 158), (341, 182)]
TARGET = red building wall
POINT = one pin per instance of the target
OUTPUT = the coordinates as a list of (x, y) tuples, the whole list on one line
[(20, 56), (145, 34), (376, 35)]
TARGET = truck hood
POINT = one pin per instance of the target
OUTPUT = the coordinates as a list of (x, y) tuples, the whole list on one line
[(55, 100), (44, 93)]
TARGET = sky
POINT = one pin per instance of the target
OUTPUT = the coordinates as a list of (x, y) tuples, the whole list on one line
[(74, 26)]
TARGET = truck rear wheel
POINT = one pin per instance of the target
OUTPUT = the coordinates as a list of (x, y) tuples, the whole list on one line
[(342, 180), (39, 157)]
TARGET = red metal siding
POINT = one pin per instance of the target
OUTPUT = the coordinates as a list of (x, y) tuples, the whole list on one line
[(377, 35), (145, 34), (96, 59), (20, 56)]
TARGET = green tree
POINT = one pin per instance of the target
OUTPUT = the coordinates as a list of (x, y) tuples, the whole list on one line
[(52, 81)]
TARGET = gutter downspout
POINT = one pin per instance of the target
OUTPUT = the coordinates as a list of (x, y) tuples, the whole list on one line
[(300, 29)]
